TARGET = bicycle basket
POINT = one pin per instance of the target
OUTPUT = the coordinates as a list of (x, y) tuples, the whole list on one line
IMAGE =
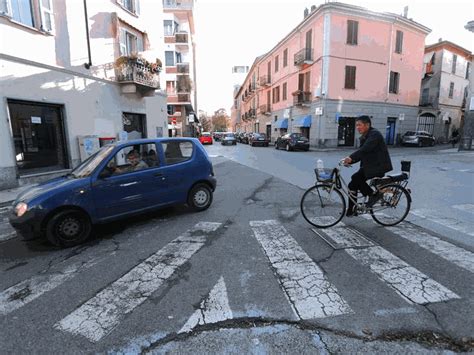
[(324, 176), (406, 165)]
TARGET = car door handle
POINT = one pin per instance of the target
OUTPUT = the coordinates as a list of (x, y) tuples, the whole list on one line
[(129, 184)]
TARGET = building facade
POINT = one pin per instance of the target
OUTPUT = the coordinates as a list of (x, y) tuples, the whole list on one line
[(75, 75), (180, 67), (444, 88), (340, 62)]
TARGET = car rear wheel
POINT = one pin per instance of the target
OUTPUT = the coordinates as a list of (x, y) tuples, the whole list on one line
[(68, 228), (200, 197)]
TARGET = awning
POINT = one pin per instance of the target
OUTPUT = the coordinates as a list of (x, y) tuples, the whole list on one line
[(302, 121), (281, 123)]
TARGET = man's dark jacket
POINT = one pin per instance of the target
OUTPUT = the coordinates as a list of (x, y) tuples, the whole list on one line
[(372, 154)]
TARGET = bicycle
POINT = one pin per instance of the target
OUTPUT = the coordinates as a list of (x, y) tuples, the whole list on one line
[(323, 205)]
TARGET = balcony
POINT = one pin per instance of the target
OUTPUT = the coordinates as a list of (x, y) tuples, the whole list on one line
[(177, 5), (429, 101), (304, 56), (181, 37), (135, 76), (182, 68), (265, 80), (266, 110), (301, 98), (252, 113), (252, 87)]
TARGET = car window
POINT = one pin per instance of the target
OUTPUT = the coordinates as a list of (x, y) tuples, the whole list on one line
[(230, 135), (286, 136), (409, 133), (89, 165), (177, 151), (133, 158)]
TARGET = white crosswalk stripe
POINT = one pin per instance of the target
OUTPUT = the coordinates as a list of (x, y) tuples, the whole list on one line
[(101, 314), (309, 291), (463, 227), (213, 309), (465, 207), (411, 284), (450, 252)]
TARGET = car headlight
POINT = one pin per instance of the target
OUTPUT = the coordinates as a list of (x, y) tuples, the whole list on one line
[(20, 209)]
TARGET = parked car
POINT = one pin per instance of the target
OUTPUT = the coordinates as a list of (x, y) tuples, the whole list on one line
[(259, 139), (292, 141), (245, 138), (229, 139), (217, 136), (120, 179), (205, 138), (419, 138), (239, 137)]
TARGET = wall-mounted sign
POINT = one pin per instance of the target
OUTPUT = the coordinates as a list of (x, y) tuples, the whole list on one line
[(286, 113), (318, 111), (191, 118), (35, 119), (401, 116)]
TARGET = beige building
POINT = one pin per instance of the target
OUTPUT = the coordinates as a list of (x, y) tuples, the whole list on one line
[(75, 75), (180, 67)]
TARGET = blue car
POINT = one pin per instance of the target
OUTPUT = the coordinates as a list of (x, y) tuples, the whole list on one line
[(121, 179)]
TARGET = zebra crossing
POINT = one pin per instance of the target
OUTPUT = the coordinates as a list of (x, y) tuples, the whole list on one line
[(305, 285)]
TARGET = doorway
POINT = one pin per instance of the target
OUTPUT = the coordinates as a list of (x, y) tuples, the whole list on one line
[(390, 130), (269, 131), (134, 124), (38, 136), (346, 132)]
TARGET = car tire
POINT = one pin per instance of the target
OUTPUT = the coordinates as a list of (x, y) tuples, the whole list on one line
[(200, 197), (68, 228)]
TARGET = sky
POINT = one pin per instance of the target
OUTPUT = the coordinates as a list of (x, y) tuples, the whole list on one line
[(235, 32)]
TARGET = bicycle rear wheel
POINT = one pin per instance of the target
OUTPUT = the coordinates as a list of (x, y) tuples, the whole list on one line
[(393, 207), (323, 206)]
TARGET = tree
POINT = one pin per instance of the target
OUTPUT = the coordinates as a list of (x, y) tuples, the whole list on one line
[(220, 120), (205, 121)]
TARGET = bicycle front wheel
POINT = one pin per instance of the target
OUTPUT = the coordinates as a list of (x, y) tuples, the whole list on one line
[(323, 205), (393, 207)]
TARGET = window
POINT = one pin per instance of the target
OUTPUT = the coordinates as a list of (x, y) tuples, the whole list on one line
[(399, 42), (171, 87), (177, 152), (451, 90), (394, 82), (168, 27), (276, 63), (425, 96), (285, 58), (276, 94), (171, 109), (350, 77), (169, 59), (433, 59), (284, 89), (130, 43), (131, 5), (33, 13), (468, 67), (132, 158), (352, 30), (455, 59)]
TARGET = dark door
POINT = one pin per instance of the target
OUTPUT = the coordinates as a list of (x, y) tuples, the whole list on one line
[(346, 131), (390, 131), (305, 131), (38, 135), (269, 132), (135, 125)]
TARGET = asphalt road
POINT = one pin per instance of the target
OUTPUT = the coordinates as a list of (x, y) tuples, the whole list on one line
[(249, 275)]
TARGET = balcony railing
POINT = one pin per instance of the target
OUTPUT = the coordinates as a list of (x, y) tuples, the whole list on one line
[(177, 5), (252, 87), (252, 113), (428, 101), (265, 110), (302, 97), (134, 71), (181, 37), (304, 56), (265, 80), (183, 68)]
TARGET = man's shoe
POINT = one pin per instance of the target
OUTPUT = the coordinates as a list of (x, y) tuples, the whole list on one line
[(373, 199), (351, 212)]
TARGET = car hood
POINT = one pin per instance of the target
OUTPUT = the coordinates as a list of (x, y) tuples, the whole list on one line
[(49, 186)]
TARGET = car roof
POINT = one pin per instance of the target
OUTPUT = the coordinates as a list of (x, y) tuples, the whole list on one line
[(153, 140)]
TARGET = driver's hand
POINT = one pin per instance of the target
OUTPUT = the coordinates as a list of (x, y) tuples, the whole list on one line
[(347, 161)]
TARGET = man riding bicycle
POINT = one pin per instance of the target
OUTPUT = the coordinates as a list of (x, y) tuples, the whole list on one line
[(374, 162)]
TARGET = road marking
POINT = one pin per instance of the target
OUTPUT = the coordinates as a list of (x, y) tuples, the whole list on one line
[(463, 227), (101, 314), (390, 312), (28, 290), (341, 237), (443, 249), (309, 291), (408, 282), (213, 309), (7, 236), (465, 207)]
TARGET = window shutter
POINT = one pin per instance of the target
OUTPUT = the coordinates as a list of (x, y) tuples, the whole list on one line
[(5, 8), (397, 82), (47, 15), (355, 32), (137, 7), (122, 40), (399, 42), (301, 82), (140, 43), (349, 32)]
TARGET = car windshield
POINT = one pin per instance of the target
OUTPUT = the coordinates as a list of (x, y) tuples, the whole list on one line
[(410, 133), (206, 134), (229, 135), (89, 165)]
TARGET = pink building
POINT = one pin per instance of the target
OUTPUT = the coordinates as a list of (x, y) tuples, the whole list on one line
[(340, 62)]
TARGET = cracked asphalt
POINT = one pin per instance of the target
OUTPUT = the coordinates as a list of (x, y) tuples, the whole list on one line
[(249, 286)]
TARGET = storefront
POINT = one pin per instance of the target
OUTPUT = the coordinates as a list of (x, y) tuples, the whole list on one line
[(304, 124)]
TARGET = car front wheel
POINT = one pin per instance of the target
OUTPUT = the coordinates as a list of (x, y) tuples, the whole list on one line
[(68, 228), (200, 197)]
